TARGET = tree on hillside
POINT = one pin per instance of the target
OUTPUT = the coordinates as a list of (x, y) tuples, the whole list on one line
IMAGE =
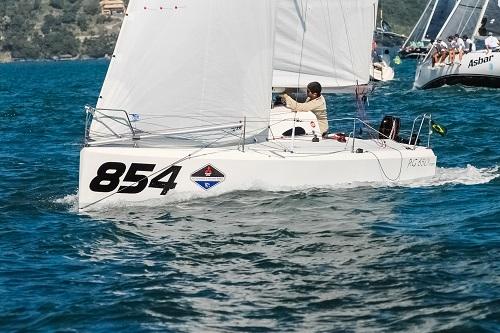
[(83, 22), (57, 4), (99, 47), (61, 42), (23, 48), (51, 23), (91, 7), (69, 16)]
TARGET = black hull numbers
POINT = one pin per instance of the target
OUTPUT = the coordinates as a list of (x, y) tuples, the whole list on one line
[(136, 178)]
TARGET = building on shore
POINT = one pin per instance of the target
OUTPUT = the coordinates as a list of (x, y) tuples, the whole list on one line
[(110, 7)]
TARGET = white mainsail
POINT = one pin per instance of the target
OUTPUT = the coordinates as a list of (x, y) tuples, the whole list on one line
[(323, 40), (210, 65)]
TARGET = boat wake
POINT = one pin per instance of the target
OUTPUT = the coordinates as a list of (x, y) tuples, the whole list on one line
[(469, 175)]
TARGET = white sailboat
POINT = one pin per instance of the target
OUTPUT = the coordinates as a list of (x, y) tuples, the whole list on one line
[(184, 110), (380, 70), (427, 27), (474, 18)]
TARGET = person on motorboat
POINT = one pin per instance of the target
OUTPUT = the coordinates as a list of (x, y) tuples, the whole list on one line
[(315, 103), (491, 43)]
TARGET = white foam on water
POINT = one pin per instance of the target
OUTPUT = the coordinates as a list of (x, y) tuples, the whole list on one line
[(70, 200), (469, 175)]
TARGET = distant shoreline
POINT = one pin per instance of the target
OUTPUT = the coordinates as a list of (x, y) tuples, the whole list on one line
[(81, 58)]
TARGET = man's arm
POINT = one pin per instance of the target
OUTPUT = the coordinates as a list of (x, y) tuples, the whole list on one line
[(302, 107)]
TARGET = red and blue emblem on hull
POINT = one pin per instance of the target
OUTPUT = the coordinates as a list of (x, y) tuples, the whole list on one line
[(207, 177)]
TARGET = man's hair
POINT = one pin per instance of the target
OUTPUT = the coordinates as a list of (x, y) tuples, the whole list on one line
[(314, 87)]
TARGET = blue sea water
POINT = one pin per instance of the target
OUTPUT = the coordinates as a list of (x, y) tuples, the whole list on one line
[(424, 257)]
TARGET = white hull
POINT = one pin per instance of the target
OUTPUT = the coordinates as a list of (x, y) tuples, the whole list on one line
[(380, 71), (476, 69), (107, 173)]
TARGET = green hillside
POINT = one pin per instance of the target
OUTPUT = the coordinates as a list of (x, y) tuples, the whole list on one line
[(401, 15), (50, 29)]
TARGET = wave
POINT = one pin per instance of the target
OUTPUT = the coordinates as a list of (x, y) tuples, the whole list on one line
[(469, 175)]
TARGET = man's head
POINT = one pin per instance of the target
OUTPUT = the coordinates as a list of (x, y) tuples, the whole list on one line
[(313, 90)]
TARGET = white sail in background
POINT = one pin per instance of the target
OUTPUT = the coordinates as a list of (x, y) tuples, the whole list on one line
[(323, 40), (464, 18), (189, 64)]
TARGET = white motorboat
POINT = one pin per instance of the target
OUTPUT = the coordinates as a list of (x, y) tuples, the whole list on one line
[(480, 68), (184, 110), (381, 71)]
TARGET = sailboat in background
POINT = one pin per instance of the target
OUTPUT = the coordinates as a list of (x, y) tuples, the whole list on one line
[(427, 27), (388, 42), (184, 110), (476, 19), (380, 69)]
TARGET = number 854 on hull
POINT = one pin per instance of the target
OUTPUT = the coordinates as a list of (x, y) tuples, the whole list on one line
[(111, 175)]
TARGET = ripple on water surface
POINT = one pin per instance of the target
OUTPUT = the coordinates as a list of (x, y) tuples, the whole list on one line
[(421, 256)]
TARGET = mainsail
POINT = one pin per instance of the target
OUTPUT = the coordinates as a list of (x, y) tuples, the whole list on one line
[(464, 18), (430, 22), (490, 21), (323, 40), (420, 29), (441, 12), (188, 65)]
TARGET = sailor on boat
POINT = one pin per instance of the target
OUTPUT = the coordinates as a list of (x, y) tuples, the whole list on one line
[(469, 44), (491, 43), (460, 48), (315, 103)]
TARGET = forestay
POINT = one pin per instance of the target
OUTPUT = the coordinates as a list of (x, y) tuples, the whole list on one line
[(323, 40), (189, 64)]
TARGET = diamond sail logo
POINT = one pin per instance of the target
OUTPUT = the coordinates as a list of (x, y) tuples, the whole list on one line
[(207, 177)]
